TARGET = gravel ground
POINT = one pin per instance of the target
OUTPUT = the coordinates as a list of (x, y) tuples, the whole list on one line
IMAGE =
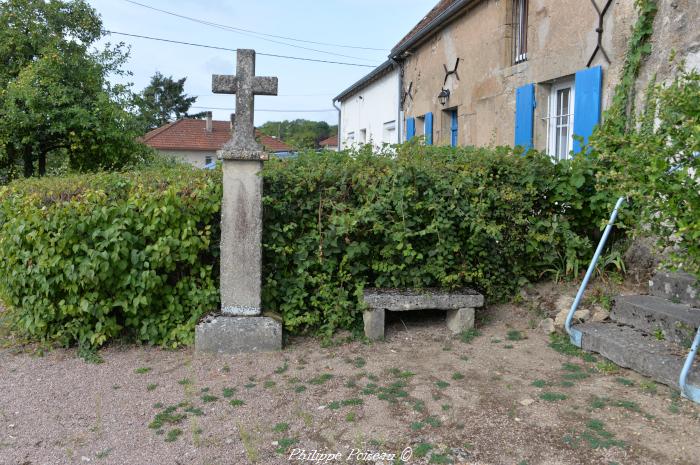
[(462, 402)]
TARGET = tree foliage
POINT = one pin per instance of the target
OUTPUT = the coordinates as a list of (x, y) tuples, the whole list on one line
[(163, 101), (56, 106), (299, 134)]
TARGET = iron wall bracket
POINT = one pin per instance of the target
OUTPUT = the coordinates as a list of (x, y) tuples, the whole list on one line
[(599, 30)]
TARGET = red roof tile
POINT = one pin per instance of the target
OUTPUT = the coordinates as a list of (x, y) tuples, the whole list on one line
[(432, 14), (190, 134), (331, 141)]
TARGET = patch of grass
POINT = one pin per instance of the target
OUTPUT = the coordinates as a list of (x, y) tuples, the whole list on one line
[(397, 373), (392, 392), (269, 384), (167, 416), (464, 358), (562, 344), (553, 396), (440, 459), (350, 417), (335, 405), (142, 370), (226, 368), (207, 398), (433, 421), (607, 367), (627, 404), (659, 334), (281, 428), (236, 402), (352, 402), (515, 335), (90, 355), (457, 376), (359, 362), (422, 449), (417, 425), (173, 434), (567, 384), (284, 444), (442, 384), (446, 407), (152, 387), (496, 341), (185, 382), (508, 346), (351, 384), (539, 383), (624, 381), (419, 406), (572, 367), (321, 379), (158, 405), (282, 369), (372, 377), (228, 392), (249, 385), (469, 335), (299, 389), (204, 390), (649, 387), (194, 411)]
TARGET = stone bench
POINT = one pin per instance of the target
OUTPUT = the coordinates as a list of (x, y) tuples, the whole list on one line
[(459, 304)]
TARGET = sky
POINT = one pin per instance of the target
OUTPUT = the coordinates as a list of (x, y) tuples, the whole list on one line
[(303, 85)]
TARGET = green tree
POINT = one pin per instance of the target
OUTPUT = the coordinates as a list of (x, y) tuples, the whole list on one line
[(300, 133), (57, 107), (163, 101)]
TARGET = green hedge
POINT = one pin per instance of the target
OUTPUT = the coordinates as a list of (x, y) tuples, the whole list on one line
[(428, 216), (86, 259)]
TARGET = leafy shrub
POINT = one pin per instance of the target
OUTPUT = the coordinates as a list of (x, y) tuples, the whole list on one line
[(656, 164), (84, 259), (425, 216)]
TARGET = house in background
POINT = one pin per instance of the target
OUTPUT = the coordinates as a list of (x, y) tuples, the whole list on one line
[(330, 143), (533, 73), (196, 141), (369, 109)]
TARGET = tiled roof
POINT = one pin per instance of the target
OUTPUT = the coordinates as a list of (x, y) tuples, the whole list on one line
[(331, 141), (432, 14), (191, 134)]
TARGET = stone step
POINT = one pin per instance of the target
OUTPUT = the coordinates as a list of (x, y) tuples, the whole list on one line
[(676, 287), (658, 317), (634, 349)]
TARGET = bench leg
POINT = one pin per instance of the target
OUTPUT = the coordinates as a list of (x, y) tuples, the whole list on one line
[(374, 324), (458, 320)]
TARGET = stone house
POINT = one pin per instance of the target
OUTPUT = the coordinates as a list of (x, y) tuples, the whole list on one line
[(196, 141), (369, 109), (330, 143), (528, 72)]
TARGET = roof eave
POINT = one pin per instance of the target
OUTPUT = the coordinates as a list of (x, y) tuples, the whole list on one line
[(432, 26), (375, 74)]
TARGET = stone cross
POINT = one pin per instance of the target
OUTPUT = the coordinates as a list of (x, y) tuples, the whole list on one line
[(241, 209), (246, 85)]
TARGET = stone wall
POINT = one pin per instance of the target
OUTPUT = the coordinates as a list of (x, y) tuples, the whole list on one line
[(561, 38)]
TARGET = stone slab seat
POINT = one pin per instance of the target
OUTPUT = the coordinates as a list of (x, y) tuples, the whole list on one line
[(460, 305)]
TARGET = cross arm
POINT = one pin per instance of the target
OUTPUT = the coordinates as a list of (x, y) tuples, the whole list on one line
[(227, 84)]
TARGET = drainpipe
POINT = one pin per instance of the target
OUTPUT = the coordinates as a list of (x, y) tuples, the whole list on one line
[(339, 141), (399, 120)]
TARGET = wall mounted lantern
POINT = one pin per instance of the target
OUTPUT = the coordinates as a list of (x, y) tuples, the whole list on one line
[(443, 96)]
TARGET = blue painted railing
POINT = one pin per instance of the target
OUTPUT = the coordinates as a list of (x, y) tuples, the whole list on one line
[(575, 334), (687, 390)]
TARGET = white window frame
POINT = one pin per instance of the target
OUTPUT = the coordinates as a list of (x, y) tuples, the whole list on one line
[(520, 26), (556, 120), (350, 138), (389, 130), (363, 136)]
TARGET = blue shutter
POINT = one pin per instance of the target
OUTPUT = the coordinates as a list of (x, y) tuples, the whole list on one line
[(410, 128), (428, 129), (454, 128), (524, 115), (589, 83)]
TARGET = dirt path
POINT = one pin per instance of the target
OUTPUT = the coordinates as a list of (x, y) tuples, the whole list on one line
[(490, 401)]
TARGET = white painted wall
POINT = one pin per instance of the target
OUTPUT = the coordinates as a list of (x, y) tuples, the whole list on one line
[(369, 114), (193, 157)]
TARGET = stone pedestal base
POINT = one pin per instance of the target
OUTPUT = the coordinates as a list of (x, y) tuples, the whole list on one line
[(460, 320), (374, 323), (234, 335)]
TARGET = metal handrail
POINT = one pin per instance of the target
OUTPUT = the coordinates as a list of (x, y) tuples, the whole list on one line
[(688, 390), (574, 334)]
